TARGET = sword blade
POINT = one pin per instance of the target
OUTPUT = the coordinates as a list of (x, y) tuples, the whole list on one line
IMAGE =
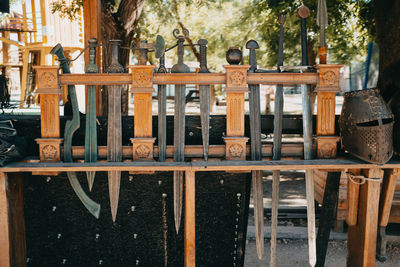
[(274, 215), (205, 117), (91, 133), (114, 145), (162, 122), (179, 151), (255, 135)]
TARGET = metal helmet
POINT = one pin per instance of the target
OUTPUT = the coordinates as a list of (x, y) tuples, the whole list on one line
[(366, 126)]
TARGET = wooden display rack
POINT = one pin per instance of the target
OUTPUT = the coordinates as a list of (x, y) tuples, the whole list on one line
[(232, 155)]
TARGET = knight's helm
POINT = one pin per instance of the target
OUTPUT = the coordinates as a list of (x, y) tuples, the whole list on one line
[(366, 126)]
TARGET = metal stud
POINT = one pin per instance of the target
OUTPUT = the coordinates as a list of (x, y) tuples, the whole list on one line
[(28, 260), (97, 236), (164, 195), (238, 195), (58, 236), (100, 262), (137, 262), (133, 208), (191, 133), (54, 208), (64, 261), (48, 179), (130, 178), (221, 181), (159, 182), (135, 236)]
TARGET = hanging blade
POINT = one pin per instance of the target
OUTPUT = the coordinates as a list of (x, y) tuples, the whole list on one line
[(70, 127), (204, 99), (162, 114), (114, 129), (277, 148), (90, 129), (303, 12), (255, 137), (179, 127)]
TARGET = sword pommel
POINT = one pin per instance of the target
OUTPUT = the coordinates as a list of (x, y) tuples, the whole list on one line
[(303, 12), (252, 46)]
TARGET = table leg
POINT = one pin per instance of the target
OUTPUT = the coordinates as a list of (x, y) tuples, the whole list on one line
[(190, 219)]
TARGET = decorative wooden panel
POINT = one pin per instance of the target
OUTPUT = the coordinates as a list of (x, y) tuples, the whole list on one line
[(143, 115), (235, 114), (49, 116), (326, 113)]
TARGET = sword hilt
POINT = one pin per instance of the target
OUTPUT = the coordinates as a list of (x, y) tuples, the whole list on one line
[(252, 46), (281, 20), (92, 67), (203, 55), (115, 66)]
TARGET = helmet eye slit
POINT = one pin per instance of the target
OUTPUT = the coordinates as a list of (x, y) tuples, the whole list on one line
[(375, 122)]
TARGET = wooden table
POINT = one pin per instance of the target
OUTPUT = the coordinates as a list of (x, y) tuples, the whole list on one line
[(362, 237)]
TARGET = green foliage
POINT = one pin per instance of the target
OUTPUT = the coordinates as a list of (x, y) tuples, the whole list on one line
[(65, 10)]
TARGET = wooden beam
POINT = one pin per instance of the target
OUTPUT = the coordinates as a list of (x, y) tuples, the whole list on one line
[(189, 78), (388, 188), (190, 219), (361, 245), (353, 192), (12, 224)]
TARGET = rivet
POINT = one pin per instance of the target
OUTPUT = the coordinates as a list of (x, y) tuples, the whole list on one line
[(54, 208), (234, 264), (221, 181), (236, 239), (238, 205), (137, 262), (237, 226), (28, 259), (134, 236), (64, 261), (237, 212), (164, 195), (130, 178), (48, 179), (159, 182), (238, 195), (133, 208), (97, 236), (236, 232), (58, 236), (235, 252), (235, 245), (234, 258), (191, 133), (100, 262), (237, 219)]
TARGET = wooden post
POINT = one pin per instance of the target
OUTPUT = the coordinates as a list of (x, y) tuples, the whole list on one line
[(361, 246), (353, 193), (235, 141), (388, 188), (142, 87), (327, 87), (92, 29), (48, 89), (12, 223), (190, 219)]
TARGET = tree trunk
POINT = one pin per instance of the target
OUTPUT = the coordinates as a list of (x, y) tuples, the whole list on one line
[(119, 26), (387, 21)]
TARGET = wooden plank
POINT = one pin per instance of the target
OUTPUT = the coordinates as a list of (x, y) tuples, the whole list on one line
[(361, 246), (190, 78), (143, 115), (235, 114), (222, 165), (388, 188), (326, 113), (12, 224), (49, 116), (190, 219), (353, 190)]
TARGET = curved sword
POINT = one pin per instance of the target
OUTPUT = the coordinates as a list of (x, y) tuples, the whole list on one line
[(70, 127)]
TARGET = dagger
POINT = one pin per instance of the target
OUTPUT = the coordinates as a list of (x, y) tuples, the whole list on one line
[(179, 127), (162, 113), (114, 129), (255, 136), (204, 99), (303, 12), (70, 127), (277, 147), (90, 130)]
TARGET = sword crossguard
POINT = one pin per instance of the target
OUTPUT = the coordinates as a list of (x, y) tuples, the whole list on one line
[(203, 55), (252, 45)]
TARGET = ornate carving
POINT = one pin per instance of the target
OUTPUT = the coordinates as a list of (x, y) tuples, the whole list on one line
[(142, 78), (329, 78), (236, 151), (237, 78), (48, 80), (142, 151), (49, 152), (327, 150)]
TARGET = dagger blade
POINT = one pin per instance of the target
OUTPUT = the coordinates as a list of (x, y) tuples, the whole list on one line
[(205, 117)]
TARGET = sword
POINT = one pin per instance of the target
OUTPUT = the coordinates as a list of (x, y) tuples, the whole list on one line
[(204, 99), (303, 12), (90, 130), (255, 136), (162, 113), (276, 152), (70, 127), (179, 127), (114, 129)]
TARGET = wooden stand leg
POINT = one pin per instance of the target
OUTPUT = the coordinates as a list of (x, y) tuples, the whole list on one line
[(190, 219), (361, 246), (12, 224), (388, 188), (328, 212)]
